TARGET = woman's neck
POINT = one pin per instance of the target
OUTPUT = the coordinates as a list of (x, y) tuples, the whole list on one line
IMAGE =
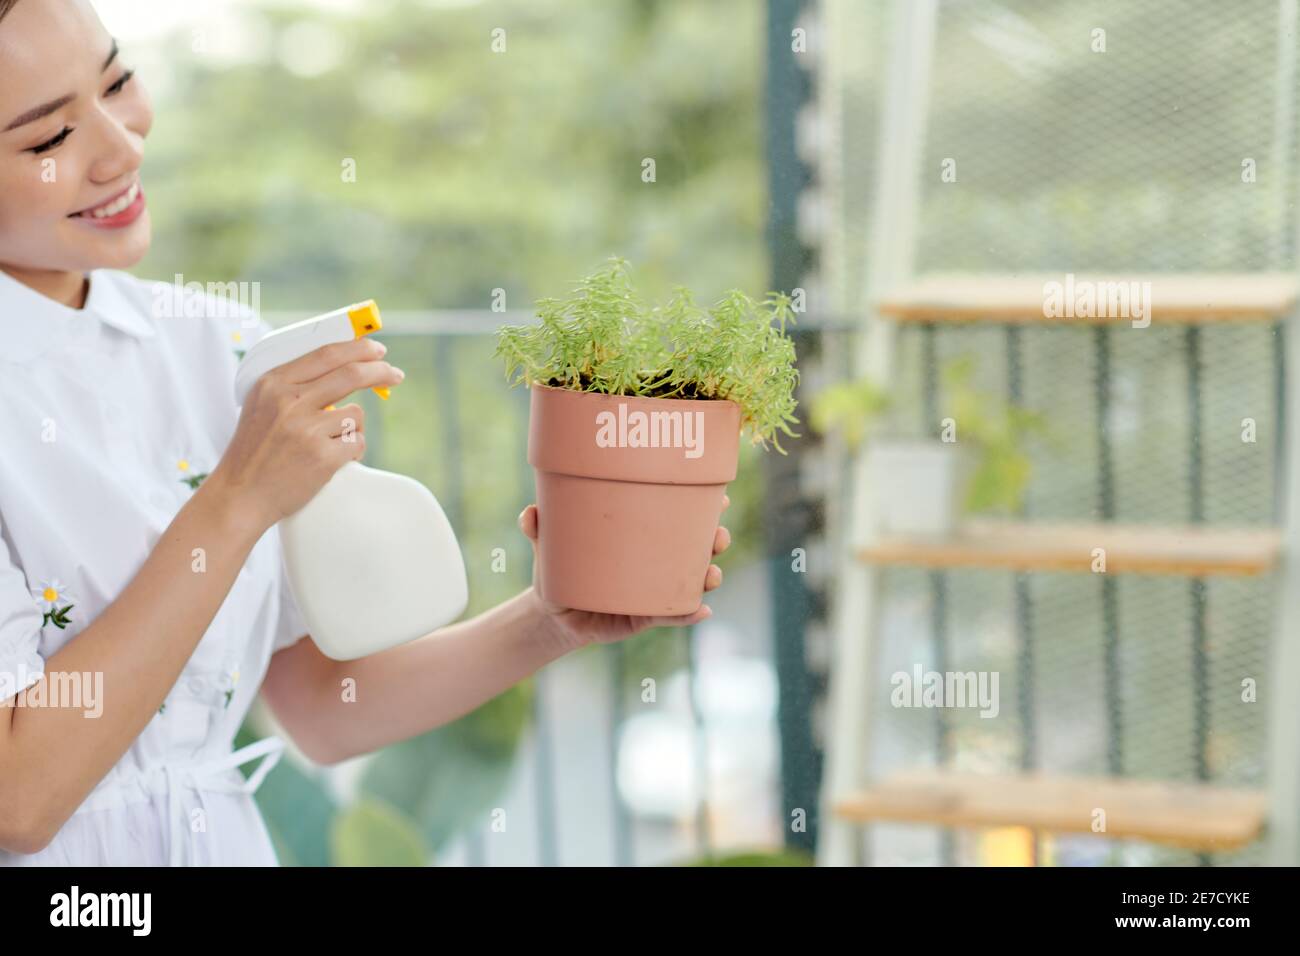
[(70, 288)]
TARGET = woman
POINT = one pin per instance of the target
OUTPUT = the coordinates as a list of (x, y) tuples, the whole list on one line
[(142, 596)]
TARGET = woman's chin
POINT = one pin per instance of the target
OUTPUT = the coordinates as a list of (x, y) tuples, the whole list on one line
[(116, 248)]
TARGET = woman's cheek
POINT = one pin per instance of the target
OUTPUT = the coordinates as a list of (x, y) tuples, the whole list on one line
[(55, 189), (30, 219), (34, 191)]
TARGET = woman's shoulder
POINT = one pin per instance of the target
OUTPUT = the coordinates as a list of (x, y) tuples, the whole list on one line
[(229, 311)]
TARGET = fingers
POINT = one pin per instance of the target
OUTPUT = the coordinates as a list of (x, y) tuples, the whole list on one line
[(528, 522), (345, 428), (327, 358), (703, 614), (712, 577), (342, 422), (336, 385), (722, 537)]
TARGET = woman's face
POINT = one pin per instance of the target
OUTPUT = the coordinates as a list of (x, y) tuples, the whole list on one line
[(73, 121)]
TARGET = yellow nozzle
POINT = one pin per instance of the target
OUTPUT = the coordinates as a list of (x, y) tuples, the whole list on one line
[(365, 319)]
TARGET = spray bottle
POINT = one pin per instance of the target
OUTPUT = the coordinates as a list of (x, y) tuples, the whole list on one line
[(372, 560)]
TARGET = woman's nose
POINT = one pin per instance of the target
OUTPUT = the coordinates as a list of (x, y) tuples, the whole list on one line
[(120, 149)]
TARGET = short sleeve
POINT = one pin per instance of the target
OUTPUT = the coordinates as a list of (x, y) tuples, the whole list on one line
[(21, 664), (290, 626)]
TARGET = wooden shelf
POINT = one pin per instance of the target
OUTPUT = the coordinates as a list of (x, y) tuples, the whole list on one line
[(1175, 298), (1194, 816), (1130, 549)]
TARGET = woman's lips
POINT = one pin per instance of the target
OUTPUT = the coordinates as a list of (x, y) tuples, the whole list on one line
[(120, 211)]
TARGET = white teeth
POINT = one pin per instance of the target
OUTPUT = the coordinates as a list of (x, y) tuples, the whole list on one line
[(115, 207)]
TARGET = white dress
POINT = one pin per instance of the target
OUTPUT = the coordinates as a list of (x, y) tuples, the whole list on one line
[(112, 416)]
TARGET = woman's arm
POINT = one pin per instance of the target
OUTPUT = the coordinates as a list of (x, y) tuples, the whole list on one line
[(284, 449), (339, 709), (51, 757)]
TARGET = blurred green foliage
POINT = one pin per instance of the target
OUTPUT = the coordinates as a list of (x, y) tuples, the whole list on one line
[(756, 858), (474, 170), (851, 408), (371, 833), (1000, 434)]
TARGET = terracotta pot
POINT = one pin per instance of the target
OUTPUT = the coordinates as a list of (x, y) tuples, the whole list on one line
[(623, 528)]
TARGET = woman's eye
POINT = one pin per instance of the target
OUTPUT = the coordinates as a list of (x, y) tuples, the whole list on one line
[(51, 143), (117, 87)]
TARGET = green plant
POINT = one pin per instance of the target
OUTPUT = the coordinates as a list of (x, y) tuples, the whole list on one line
[(603, 337), (372, 833), (999, 432), (851, 408), (995, 430)]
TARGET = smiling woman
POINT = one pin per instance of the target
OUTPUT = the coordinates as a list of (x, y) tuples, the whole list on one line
[(117, 561), (99, 393), (74, 128)]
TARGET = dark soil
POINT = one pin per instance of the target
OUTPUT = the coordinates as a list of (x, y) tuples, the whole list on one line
[(688, 391)]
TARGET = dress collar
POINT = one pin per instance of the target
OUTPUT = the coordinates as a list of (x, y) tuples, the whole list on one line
[(31, 323)]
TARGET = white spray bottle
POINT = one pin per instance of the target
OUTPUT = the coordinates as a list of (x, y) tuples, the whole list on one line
[(372, 560)]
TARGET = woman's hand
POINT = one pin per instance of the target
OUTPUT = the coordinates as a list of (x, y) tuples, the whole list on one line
[(288, 443), (577, 628)]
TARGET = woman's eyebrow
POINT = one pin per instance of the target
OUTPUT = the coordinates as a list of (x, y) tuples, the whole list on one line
[(44, 110), (31, 116)]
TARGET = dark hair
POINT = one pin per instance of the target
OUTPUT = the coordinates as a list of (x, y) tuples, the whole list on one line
[(5, 7)]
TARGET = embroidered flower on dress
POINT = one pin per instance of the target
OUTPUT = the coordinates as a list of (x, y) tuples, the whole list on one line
[(191, 474), (50, 595), (230, 691), (238, 339)]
